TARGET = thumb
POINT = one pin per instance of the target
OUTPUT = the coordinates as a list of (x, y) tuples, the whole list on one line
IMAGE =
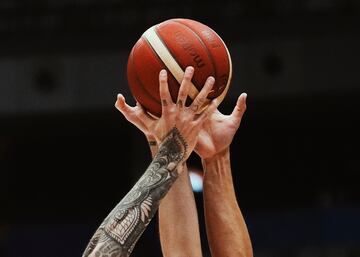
[(121, 105), (240, 107)]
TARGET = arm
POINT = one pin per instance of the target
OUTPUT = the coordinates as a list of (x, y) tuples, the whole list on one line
[(119, 232), (225, 226), (178, 218), (176, 132)]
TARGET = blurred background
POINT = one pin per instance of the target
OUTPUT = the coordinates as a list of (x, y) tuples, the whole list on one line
[(67, 156)]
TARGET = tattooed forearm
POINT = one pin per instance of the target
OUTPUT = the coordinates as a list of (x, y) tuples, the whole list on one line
[(119, 232)]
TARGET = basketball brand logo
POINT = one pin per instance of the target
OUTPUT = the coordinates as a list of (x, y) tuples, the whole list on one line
[(189, 48)]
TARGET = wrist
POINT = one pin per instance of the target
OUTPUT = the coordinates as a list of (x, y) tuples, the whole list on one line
[(217, 174), (174, 146), (220, 156), (152, 144)]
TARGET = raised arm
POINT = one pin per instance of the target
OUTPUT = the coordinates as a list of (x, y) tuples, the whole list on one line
[(178, 218), (176, 134), (119, 232), (225, 226)]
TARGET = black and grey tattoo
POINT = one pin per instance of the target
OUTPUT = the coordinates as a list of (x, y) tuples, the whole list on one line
[(152, 143), (119, 232)]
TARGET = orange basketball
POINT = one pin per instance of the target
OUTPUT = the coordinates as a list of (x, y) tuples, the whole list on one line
[(173, 45)]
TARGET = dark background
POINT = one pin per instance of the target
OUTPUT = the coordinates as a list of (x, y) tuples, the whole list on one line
[(67, 156)]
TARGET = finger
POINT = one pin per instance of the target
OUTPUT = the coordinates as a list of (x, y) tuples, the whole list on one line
[(130, 113), (201, 97), (185, 86), (240, 107), (164, 90), (122, 106)]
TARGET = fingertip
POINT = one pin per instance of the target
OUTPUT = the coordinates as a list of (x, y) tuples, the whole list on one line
[(117, 100), (211, 79), (163, 72), (163, 77), (189, 69), (118, 96), (189, 73), (120, 102), (242, 99)]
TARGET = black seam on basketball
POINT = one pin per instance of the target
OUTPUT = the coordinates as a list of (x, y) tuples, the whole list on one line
[(139, 81), (202, 43)]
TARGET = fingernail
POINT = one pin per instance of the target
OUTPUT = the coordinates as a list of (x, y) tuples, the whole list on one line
[(163, 72), (119, 95), (211, 79), (189, 70)]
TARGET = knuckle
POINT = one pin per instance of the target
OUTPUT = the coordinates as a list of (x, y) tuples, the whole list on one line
[(171, 109), (201, 100)]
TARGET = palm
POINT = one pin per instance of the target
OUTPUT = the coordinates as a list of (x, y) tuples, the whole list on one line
[(216, 134), (218, 131)]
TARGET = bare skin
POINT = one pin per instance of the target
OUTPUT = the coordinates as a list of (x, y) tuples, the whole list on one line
[(225, 226), (178, 221), (224, 222), (179, 224), (176, 134)]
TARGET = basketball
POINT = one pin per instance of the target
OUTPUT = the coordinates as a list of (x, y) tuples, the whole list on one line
[(173, 45)]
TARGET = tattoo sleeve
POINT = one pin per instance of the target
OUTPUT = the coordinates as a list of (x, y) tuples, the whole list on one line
[(119, 232)]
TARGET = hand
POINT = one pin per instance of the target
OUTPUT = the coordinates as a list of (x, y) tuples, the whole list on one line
[(185, 119), (219, 130)]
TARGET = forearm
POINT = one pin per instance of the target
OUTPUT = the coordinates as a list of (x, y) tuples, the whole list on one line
[(178, 220), (226, 229), (119, 232)]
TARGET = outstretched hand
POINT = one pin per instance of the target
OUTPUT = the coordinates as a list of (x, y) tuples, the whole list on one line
[(219, 130), (174, 115)]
